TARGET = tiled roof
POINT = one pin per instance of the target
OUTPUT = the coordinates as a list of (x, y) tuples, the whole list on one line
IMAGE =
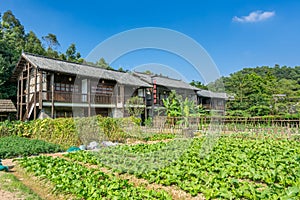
[(165, 81), (6, 105), (56, 65), (207, 93)]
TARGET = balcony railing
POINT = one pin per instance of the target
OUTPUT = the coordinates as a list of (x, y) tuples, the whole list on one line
[(71, 97)]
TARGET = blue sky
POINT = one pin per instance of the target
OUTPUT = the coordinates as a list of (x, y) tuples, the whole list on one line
[(236, 33)]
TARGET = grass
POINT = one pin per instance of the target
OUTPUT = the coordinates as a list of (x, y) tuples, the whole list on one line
[(11, 184)]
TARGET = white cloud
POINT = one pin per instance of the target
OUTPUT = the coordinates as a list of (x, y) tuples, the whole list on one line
[(255, 16)]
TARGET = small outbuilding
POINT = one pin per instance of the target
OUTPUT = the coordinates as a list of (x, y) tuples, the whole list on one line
[(7, 109)]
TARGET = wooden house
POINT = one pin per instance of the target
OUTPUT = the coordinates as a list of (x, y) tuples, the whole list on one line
[(212, 101), (161, 88), (53, 88)]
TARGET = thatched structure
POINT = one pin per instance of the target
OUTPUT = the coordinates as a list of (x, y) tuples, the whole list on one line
[(6, 108)]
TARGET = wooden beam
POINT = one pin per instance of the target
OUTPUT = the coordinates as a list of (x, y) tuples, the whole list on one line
[(18, 98), (35, 90), (21, 100), (41, 90), (89, 96), (28, 90), (52, 95), (122, 98)]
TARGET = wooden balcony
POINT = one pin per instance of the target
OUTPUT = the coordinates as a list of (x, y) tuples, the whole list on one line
[(71, 97)]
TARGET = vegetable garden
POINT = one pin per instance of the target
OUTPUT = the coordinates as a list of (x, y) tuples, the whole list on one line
[(239, 165), (235, 169)]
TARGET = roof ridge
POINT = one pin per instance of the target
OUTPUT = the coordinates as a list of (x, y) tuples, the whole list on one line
[(159, 75), (66, 61)]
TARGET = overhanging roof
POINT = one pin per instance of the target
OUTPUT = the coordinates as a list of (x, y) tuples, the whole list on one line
[(165, 81), (56, 65), (210, 94)]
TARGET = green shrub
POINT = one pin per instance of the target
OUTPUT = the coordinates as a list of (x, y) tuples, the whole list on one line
[(111, 128)]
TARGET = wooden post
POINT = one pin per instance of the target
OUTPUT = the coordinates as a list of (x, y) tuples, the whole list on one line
[(18, 98), (21, 100), (28, 90), (89, 96), (145, 103), (122, 98), (41, 90), (35, 91), (52, 95)]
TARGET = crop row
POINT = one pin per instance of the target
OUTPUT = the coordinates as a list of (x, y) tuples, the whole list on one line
[(234, 168), (14, 146), (85, 183)]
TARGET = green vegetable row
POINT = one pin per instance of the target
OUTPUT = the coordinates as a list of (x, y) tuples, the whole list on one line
[(235, 168), (14, 146), (85, 183), (159, 136)]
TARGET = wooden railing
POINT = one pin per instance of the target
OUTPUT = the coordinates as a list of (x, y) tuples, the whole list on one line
[(71, 97)]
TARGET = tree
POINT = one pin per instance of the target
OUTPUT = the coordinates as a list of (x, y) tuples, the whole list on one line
[(121, 69), (148, 72), (11, 44), (198, 84), (102, 64), (51, 41), (255, 90), (13, 40), (72, 55), (33, 44), (12, 31), (52, 44)]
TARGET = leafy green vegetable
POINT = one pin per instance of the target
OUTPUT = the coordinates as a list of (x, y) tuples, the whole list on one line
[(14, 146), (236, 168), (85, 183)]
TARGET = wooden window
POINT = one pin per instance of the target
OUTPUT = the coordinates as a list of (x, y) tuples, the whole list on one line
[(57, 86), (68, 87), (63, 87)]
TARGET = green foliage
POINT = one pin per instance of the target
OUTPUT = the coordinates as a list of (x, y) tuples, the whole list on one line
[(103, 64), (72, 55), (14, 146), (172, 104), (148, 122), (236, 168), (51, 41), (33, 44), (85, 183), (72, 132), (159, 136), (257, 88), (14, 40), (60, 131), (112, 128), (135, 106), (259, 110), (176, 107), (198, 84)]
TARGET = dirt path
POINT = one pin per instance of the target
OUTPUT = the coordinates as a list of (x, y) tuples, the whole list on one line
[(40, 188), (5, 195)]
